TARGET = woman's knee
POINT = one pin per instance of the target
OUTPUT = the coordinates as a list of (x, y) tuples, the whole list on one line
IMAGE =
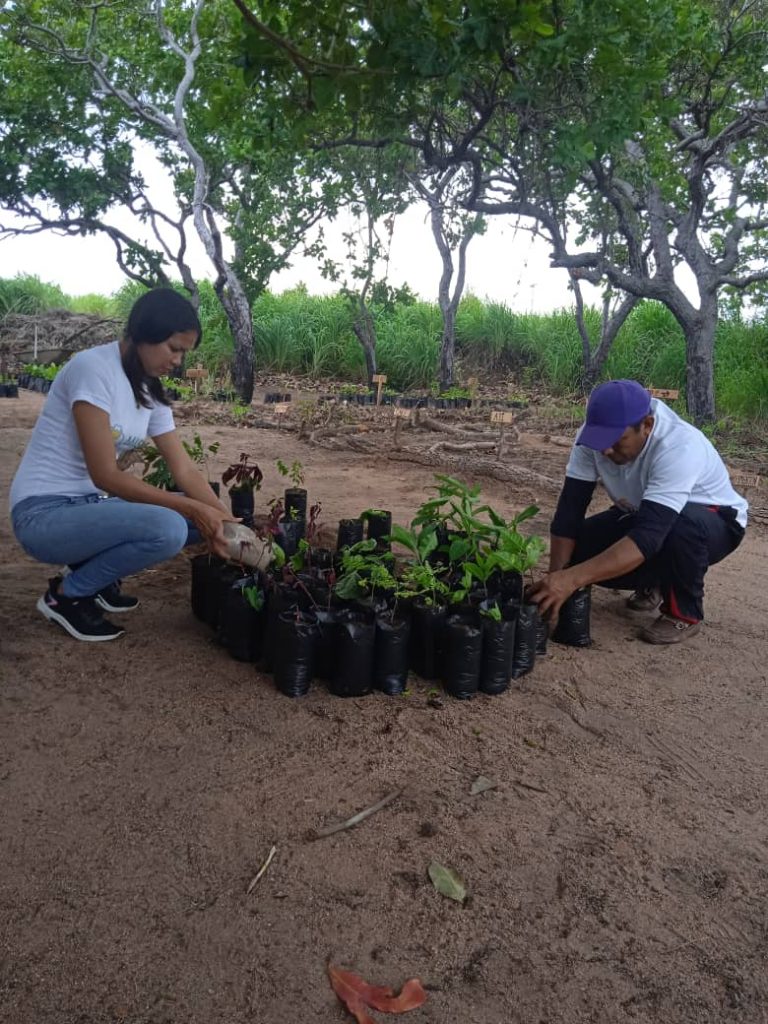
[(167, 531)]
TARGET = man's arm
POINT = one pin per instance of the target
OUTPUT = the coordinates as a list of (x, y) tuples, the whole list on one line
[(569, 515), (649, 531)]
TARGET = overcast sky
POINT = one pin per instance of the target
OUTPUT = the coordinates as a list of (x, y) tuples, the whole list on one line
[(503, 265)]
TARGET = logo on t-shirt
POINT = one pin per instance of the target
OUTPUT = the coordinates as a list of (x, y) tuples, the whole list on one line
[(123, 442)]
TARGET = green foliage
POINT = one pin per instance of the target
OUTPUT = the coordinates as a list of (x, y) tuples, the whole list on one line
[(27, 294), (156, 471), (365, 572), (294, 472)]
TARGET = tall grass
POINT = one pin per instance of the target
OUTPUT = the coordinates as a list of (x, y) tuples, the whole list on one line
[(27, 294), (303, 334)]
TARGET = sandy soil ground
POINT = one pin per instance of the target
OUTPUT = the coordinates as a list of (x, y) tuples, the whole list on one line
[(618, 871)]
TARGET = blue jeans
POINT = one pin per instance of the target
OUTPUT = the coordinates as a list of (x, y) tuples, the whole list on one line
[(105, 539)]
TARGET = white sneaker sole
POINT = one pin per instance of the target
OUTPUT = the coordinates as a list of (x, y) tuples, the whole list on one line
[(107, 607), (53, 616)]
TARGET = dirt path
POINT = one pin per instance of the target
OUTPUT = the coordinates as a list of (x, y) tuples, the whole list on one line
[(618, 872)]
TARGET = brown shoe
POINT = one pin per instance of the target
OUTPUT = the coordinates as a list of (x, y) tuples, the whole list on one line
[(666, 630), (647, 599)]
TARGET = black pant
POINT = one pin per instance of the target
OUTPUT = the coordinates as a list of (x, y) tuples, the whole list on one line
[(700, 537)]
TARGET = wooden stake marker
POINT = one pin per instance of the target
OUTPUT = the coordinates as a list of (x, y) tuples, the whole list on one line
[(502, 418), (379, 379), (196, 374)]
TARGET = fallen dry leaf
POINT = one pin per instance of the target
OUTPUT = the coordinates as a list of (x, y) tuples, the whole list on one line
[(357, 995), (447, 882)]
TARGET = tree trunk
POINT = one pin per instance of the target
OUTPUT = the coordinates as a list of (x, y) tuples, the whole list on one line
[(611, 321), (700, 362), (238, 311), (365, 332), (447, 347)]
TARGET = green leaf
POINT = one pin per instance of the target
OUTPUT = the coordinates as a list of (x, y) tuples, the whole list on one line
[(447, 882), (527, 513), (402, 536), (458, 549)]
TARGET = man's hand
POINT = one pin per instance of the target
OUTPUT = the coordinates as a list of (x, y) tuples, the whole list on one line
[(551, 592)]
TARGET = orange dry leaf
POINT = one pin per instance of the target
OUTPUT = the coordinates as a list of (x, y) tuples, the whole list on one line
[(357, 994)]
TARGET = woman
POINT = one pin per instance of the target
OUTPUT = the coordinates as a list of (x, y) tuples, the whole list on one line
[(71, 502)]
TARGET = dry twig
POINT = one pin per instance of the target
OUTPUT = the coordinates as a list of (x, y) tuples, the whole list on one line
[(261, 871), (357, 818)]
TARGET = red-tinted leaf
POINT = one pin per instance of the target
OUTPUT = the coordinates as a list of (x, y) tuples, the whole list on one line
[(411, 996), (347, 987), (356, 993)]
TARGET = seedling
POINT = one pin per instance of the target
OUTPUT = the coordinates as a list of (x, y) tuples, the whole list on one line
[(294, 472), (243, 475)]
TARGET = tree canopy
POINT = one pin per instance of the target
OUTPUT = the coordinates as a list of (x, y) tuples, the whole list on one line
[(633, 136)]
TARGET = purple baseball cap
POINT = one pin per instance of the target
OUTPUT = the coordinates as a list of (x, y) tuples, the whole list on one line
[(612, 407)]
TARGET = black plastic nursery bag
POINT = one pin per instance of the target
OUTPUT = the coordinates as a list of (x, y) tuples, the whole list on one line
[(524, 657), (295, 652), (463, 656), (573, 623), (390, 669)]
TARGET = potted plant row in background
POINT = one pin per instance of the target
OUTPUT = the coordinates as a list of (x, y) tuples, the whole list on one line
[(8, 387), (450, 608), (36, 377)]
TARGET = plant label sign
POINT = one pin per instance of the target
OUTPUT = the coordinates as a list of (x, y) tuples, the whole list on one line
[(379, 379), (401, 414), (671, 393), (196, 373), (499, 416), (281, 408)]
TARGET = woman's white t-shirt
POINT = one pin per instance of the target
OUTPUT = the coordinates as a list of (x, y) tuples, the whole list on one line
[(678, 464), (54, 462)]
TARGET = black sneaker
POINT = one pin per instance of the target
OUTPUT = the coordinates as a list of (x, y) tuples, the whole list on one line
[(112, 600), (78, 615)]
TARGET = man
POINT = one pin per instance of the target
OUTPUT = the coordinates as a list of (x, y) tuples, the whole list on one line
[(674, 512)]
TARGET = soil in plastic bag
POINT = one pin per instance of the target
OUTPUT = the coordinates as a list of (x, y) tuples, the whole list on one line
[(325, 652), (463, 657), (290, 532), (498, 651), (350, 532), (203, 569), (295, 652), (524, 656), (295, 503), (572, 626), (222, 576), (280, 598), (379, 528), (511, 587), (542, 635), (352, 668), (390, 670), (322, 559), (241, 625), (242, 504), (427, 639)]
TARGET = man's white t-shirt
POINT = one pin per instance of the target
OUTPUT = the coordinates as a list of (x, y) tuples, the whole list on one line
[(678, 464), (54, 462)]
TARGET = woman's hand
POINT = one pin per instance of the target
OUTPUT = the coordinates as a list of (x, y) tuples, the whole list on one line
[(551, 592), (210, 522)]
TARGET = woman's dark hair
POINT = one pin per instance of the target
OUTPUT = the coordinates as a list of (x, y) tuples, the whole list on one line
[(153, 319)]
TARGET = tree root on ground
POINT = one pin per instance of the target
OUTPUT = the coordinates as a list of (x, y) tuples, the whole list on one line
[(465, 446)]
